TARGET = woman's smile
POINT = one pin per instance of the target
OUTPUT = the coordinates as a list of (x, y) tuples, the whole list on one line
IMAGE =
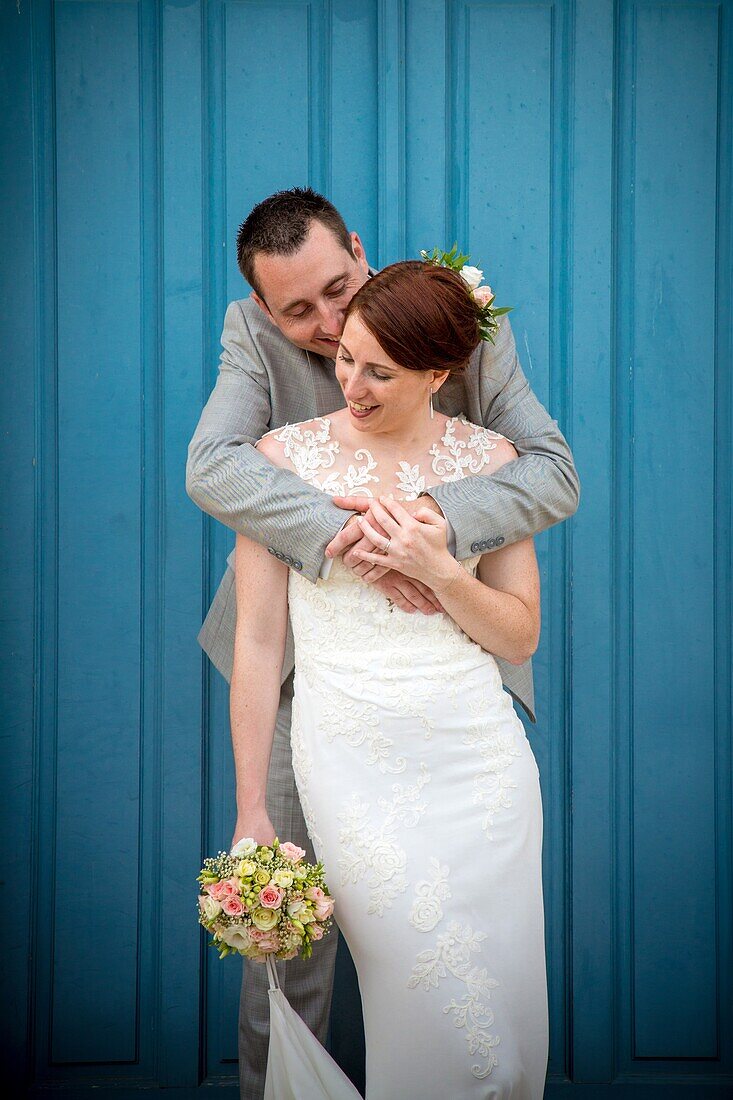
[(361, 411)]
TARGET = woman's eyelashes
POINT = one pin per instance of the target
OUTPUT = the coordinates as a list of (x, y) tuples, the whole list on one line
[(374, 374)]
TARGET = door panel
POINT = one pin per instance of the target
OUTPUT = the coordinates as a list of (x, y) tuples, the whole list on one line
[(581, 153)]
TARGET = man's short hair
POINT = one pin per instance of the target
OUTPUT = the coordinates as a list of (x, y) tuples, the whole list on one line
[(280, 223)]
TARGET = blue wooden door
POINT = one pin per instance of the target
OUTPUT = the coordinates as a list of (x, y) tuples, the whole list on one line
[(581, 151)]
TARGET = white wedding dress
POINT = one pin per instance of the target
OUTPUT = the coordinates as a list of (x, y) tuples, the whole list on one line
[(422, 798)]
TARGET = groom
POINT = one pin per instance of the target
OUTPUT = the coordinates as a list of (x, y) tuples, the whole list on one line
[(277, 367)]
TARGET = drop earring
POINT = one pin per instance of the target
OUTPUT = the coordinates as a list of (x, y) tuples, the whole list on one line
[(432, 414)]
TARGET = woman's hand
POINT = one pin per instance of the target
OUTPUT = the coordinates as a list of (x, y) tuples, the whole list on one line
[(417, 544), (254, 823)]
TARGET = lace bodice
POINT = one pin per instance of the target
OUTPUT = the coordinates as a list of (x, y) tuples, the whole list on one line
[(341, 622), (464, 449)]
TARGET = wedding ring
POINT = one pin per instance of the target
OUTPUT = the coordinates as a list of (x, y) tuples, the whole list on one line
[(386, 548)]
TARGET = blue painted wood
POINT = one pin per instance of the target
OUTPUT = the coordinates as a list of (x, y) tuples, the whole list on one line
[(672, 453), (351, 130), (18, 470), (184, 354), (582, 153), (591, 307), (99, 612)]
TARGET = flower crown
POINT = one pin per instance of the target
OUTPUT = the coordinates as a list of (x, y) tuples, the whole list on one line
[(483, 296)]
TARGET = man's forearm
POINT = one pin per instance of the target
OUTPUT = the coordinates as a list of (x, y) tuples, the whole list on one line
[(523, 498), (240, 488)]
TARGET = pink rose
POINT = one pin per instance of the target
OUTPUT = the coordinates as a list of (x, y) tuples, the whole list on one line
[(323, 909), (291, 852), (269, 943), (482, 295), (233, 907), (315, 893), (227, 888), (316, 932), (271, 897)]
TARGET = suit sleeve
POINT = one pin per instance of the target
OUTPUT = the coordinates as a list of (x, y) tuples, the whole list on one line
[(538, 489), (231, 481)]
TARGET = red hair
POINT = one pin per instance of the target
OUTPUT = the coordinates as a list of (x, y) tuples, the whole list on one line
[(422, 315)]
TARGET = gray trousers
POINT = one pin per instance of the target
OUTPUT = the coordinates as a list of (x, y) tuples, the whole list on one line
[(308, 985)]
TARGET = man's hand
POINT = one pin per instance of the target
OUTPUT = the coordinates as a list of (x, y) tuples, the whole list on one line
[(408, 594)]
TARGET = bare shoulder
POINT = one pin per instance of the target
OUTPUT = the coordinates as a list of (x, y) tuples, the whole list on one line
[(504, 451), (272, 448)]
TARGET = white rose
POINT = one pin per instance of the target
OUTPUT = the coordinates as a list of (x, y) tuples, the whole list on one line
[(295, 908), (283, 878), (244, 847), (237, 936), (472, 276), (209, 907)]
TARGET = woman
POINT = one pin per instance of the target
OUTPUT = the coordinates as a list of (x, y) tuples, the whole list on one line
[(418, 784)]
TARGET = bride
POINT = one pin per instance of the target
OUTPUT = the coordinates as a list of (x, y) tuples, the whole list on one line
[(418, 784)]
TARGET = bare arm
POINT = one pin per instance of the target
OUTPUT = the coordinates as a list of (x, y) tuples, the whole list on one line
[(259, 646)]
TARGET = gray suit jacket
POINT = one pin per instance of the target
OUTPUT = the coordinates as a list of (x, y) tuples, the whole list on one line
[(265, 382)]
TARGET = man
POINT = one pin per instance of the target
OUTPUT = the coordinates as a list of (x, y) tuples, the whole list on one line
[(277, 367)]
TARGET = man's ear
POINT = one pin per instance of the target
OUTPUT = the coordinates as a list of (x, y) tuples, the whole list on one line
[(261, 303), (359, 251)]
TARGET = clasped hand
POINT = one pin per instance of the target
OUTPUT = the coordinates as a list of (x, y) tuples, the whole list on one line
[(417, 560)]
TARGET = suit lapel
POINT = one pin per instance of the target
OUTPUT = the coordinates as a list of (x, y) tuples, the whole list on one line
[(326, 390)]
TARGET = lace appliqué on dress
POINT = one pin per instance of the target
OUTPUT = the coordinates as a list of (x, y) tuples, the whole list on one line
[(451, 956), (312, 450), (371, 850), (426, 909), (410, 481), (309, 451), (357, 723), (498, 748), (464, 457)]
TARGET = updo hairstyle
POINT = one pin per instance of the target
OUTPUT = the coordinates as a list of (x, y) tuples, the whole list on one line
[(424, 316)]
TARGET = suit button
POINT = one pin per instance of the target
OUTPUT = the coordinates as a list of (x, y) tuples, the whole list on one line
[(298, 564), (500, 541), (270, 549), (482, 545), (491, 544), (475, 547), (279, 556), (289, 560)]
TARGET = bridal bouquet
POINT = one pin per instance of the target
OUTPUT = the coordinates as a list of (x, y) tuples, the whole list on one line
[(260, 900)]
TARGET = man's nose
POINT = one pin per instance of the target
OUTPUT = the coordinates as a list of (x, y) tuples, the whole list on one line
[(332, 320)]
